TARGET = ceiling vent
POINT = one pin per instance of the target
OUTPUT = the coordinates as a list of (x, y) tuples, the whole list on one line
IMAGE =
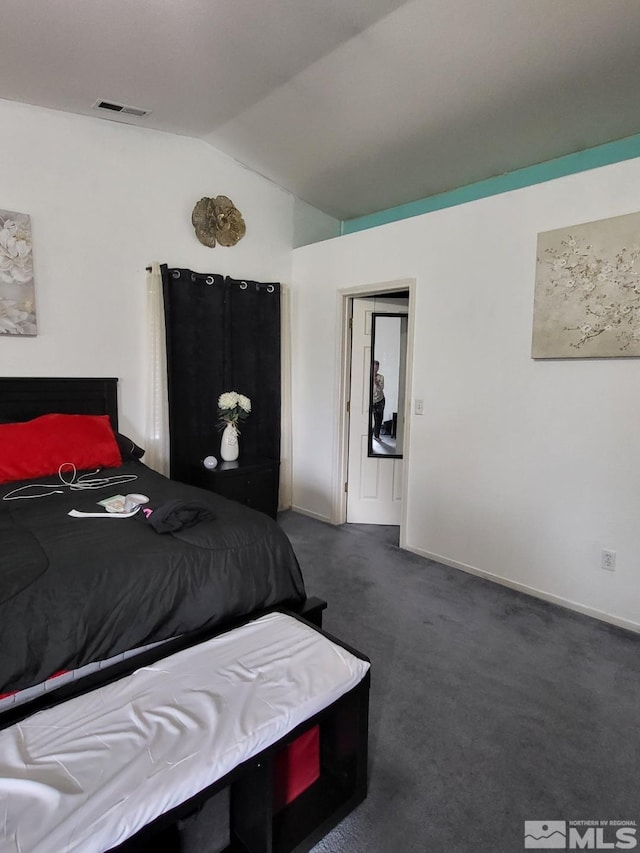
[(121, 108)]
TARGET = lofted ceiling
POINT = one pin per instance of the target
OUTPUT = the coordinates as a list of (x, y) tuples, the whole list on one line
[(354, 106)]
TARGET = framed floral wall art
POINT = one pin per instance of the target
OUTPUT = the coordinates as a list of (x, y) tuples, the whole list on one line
[(17, 288), (587, 293)]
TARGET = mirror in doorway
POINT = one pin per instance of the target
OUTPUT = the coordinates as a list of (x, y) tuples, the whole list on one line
[(387, 384)]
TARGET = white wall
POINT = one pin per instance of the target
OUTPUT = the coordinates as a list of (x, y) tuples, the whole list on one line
[(521, 469), (105, 200), (311, 225)]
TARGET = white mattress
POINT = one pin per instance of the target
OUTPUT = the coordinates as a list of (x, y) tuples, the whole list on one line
[(87, 774)]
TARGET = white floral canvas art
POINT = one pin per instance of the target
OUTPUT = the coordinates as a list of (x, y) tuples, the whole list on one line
[(17, 288), (587, 294)]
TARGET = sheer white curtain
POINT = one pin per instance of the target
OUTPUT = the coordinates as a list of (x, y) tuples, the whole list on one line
[(285, 494), (157, 427)]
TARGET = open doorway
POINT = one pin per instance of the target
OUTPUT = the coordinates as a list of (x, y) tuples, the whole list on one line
[(375, 459), (373, 451)]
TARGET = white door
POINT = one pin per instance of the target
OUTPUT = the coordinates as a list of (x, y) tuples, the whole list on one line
[(374, 484)]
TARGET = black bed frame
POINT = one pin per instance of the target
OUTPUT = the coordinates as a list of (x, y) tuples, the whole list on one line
[(23, 398)]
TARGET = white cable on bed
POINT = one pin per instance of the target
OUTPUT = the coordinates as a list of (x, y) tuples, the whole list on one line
[(75, 484)]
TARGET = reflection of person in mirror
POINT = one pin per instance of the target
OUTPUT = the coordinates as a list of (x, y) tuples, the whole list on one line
[(377, 401)]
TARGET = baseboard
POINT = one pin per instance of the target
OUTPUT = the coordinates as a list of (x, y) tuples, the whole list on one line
[(316, 515), (529, 590)]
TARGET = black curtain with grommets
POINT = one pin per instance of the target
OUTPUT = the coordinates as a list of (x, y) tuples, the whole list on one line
[(223, 334)]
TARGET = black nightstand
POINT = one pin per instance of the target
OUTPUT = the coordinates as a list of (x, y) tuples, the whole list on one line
[(252, 481)]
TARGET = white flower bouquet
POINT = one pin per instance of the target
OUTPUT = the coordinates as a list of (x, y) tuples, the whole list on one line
[(233, 408)]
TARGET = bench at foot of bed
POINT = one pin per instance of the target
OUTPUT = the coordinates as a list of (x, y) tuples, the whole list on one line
[(312, 610), (240, 711)]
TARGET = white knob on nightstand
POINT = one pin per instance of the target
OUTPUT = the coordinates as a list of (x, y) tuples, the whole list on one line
[(210, 462)]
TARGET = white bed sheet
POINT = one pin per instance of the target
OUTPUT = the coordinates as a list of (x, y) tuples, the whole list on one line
[(89, 773)]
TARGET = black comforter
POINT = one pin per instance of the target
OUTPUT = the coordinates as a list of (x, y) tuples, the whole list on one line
[(76, 590)]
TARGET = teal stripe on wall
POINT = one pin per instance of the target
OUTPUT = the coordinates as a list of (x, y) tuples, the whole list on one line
[(570, 164)]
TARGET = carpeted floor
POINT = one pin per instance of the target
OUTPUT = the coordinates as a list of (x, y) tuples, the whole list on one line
[(488, 708)]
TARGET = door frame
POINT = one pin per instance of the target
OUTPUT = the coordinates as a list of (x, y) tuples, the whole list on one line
[(345, 297)]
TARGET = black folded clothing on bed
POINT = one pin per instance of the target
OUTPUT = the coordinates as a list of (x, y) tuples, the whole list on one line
[(174, 515), (78, 590)]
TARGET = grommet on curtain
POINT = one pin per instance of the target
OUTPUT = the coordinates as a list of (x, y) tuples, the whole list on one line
[(210, 279), (175, 274), (270, 288), (193, 277), (243, 285)]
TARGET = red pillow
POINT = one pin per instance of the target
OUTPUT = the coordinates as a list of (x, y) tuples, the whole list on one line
[(39, 447)]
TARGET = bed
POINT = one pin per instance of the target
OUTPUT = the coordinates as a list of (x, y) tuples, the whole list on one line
[(77, 591)]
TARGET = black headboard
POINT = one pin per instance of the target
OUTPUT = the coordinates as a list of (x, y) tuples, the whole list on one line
[(24, 398)]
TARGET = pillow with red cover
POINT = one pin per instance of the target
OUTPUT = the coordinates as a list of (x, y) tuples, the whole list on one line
[(39, 447)]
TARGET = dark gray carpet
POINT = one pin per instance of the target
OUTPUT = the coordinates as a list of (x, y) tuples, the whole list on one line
[(488, 707)]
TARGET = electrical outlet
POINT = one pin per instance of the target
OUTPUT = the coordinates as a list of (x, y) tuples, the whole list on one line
[(419, 407), (608, 560)]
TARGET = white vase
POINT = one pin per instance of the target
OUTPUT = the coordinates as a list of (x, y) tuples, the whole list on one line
[(229, 447)]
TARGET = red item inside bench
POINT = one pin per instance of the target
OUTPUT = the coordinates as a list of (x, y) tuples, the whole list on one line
[(297, 767)]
